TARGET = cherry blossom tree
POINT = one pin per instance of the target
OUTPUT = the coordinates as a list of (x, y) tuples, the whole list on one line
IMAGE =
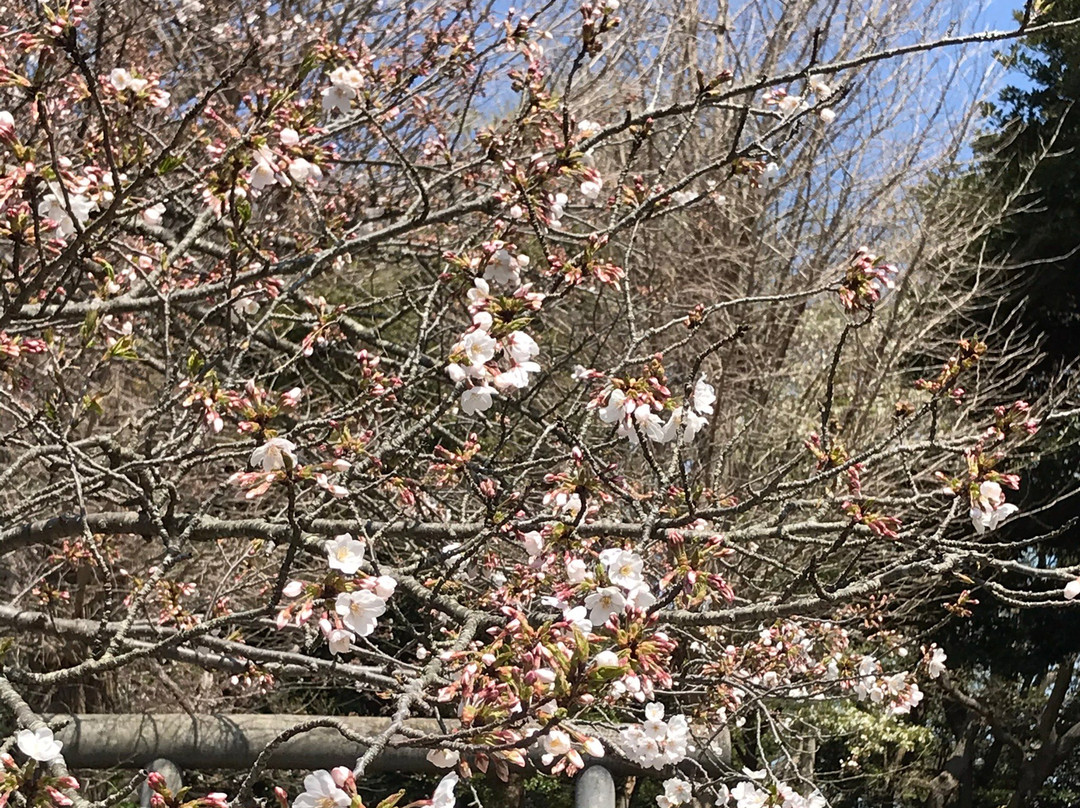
[(536, 370)]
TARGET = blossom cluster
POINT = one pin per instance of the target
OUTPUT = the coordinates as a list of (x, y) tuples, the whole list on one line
[(634, 408), (336, 788), (657, 743), (277, 459), (788, 103), (756, 792), (866, 279), (989, 508), (497, 332), (359, 602), (897, 690)]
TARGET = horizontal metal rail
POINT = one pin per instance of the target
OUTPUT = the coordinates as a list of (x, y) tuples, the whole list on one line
[(208, 742)]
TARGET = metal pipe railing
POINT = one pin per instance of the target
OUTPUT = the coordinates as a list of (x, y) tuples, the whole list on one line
[(209, 742)]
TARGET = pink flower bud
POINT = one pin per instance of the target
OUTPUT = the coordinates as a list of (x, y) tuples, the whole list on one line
[(57, 797), (341, 775)]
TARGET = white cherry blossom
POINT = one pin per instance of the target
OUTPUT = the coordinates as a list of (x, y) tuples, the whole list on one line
[(52, 206), (320, 791), (819, 88), (603, 603), (576, 571), (444, 758), (704, 397), (640, 597), (614, 409), (339, 640), (479, 347), (444, 792), (534, 543), (991, 509), (480, 293), (302, 171), (153, 214), (677, 791), (590, 189), (521, 346), (476, 399), (515, 377), (276, 453), (588, 128), (38, 744), (385, 586), (504, 268), (345, 553), (578, 617), (121, 79), (935, 666), (747, 795), (625, 568), (344, 86), (262, 175), (556, 744), (789, 104), (360, 610)]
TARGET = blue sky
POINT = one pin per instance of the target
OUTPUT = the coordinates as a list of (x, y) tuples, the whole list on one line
[(999, 13)]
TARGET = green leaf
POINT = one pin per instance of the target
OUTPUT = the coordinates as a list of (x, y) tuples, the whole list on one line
[(169, 162), (392, 800), (92, 404), (89, 327), (123, 348), (194, 363)]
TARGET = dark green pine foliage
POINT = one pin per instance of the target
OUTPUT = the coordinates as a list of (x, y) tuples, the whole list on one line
[(1004, 656), (1037, 123)]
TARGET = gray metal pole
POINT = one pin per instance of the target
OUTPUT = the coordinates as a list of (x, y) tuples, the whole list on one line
[(594, 788), (167, 769), (205, 742)]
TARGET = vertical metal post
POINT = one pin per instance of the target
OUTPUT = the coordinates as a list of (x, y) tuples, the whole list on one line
[(594, 788), (167, 769)]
